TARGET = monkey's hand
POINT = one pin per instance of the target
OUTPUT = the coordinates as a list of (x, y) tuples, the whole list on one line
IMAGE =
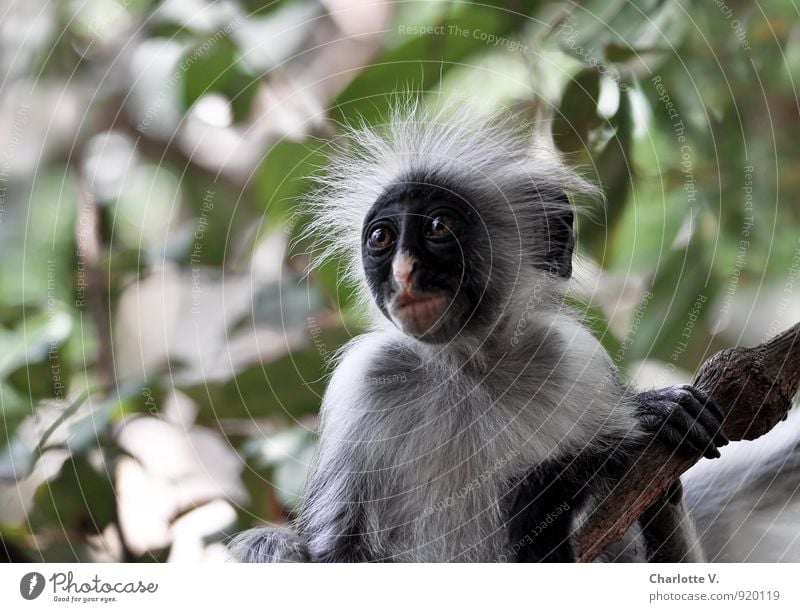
[(684, 418)]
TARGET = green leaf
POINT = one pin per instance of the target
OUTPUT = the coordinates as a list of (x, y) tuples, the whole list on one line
[(577, 114), (80, 499), (242, 90), (291, 475), (289, 452), (284, 174), (33, 337), (37, 236), (613, 171), (263, 7), (291, 386), (673, 328), (209, 68), (419, 61), (271, 450), (14, 407), (18, 458), (330, 277)]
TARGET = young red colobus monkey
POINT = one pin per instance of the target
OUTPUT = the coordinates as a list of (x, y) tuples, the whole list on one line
[(479, 418)]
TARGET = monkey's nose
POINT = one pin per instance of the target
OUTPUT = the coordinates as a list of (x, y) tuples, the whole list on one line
[(403, 268)]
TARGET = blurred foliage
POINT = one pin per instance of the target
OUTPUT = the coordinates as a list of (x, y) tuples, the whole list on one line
[(162, 353)]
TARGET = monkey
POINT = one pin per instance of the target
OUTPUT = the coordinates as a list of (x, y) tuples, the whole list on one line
[(478, 418)]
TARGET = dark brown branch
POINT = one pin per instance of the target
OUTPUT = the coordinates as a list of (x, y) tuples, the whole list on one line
[(754, 386)]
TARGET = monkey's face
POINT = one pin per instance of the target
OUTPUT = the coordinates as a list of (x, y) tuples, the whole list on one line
[(422, 254)]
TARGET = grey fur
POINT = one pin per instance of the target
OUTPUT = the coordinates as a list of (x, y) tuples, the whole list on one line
[(421, 464), (414, 450), (520, 180), (418, 442), (276, 544)]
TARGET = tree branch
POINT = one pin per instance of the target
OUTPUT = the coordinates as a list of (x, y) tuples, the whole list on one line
[(754, 386)]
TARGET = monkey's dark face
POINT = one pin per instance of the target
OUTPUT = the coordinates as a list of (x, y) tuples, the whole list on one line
[(421, 247)]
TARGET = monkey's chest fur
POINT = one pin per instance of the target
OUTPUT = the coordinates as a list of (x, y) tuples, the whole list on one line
[(433, 450)]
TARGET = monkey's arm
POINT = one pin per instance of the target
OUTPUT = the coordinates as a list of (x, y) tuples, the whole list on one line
[(332, 525), (541, 511), (269, 545), (689, 422), (545, 503), (668, 531), (334, 519)]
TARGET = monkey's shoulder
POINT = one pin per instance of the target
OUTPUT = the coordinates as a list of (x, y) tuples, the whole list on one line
[(557, 354), (377, 362)]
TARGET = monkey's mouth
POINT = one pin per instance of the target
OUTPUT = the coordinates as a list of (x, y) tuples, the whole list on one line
[(417, 313)]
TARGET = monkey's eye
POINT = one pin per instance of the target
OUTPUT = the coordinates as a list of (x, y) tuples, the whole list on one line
[(441, 226), (381, 237)]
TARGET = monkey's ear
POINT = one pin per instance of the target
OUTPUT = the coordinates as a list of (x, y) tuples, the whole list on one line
[(560, 239)]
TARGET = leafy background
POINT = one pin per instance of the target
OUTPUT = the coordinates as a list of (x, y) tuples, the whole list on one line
[(162, 352)]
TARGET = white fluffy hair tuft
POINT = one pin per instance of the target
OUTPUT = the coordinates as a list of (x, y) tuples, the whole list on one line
[(492, 153)]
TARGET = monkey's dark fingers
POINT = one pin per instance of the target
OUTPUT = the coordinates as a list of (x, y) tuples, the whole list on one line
[(705, 411), (678, 442), (670, 424), (693, 431), (709, 405), (705, 398)]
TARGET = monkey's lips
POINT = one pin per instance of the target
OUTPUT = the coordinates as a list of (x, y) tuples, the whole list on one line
[(417, 313)]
